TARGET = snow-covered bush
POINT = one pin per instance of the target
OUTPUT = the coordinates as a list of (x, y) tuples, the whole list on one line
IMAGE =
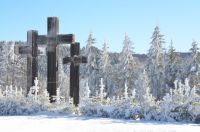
[(113, 108), (12, 106), (182, 104)]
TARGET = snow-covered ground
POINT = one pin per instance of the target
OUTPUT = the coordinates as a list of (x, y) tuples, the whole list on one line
[(61, 123)]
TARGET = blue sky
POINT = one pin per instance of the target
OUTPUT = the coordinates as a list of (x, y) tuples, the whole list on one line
[(109, 20)]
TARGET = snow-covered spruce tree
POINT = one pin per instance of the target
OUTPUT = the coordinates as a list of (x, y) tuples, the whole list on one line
[(128, 63), (172, 67), (156, 65), (144, 97), (194, 65), (105, 68), (91, 65), (105, 60)]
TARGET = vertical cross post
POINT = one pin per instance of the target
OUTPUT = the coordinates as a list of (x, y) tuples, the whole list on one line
[(32, 62), (51, 56), (74, 74)]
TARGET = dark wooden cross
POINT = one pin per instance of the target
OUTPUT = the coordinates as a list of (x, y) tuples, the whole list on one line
[(52, 39), (75, 60), (31, 50)]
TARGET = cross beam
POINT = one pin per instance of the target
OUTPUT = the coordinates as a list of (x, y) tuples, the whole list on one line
[(75, 61)]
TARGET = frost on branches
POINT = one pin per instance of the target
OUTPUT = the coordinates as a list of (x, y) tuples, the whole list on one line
[(156, 64)]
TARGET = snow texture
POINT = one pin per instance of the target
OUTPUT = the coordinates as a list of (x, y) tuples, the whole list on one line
[(60, 123)]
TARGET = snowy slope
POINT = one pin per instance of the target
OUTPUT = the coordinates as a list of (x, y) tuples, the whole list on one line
[(59, 123)]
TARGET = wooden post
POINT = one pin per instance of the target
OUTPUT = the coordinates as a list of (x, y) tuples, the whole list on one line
[(51, 56), (32, 40), (32, 63), (75, 76), (29, 73)]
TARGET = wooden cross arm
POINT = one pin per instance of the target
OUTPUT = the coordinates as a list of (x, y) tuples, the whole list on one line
[(61, 39), (22, 49), (75, 59), (66, 38), (25, 49)]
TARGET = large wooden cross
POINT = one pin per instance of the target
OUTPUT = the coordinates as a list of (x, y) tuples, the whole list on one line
[(75, 60), (31, 50), (52, 39)]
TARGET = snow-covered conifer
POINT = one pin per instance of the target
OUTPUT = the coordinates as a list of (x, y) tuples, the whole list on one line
[(194, 65), (195, 51), (156, 64), (91, 67), (105, 60), (127, 64), (102, 93), (125, 91), (172, 67)]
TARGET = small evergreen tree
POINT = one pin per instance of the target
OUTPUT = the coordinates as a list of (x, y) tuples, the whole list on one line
[(194, 65), (126, 92), (172, 67)]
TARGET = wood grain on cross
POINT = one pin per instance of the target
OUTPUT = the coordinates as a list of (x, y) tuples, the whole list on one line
[(75, 60)]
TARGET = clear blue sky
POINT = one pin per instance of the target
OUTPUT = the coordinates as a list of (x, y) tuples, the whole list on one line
[(179, 20)]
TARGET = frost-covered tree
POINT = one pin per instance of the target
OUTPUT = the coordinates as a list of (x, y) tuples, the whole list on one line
[(145, 98), (156, 64), (166, 108), (12, 66), (90, 53), (195, 52), (102, 92), (105, 65), (172, 67), (143, 89), (87, 89), (91, 67), (63, 81), (127, 62), (84, 90), (125, 91), (33, 93), (105, 68), (194, 65)]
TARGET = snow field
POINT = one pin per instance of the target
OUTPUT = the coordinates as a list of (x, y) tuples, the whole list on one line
[(60, 123)]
